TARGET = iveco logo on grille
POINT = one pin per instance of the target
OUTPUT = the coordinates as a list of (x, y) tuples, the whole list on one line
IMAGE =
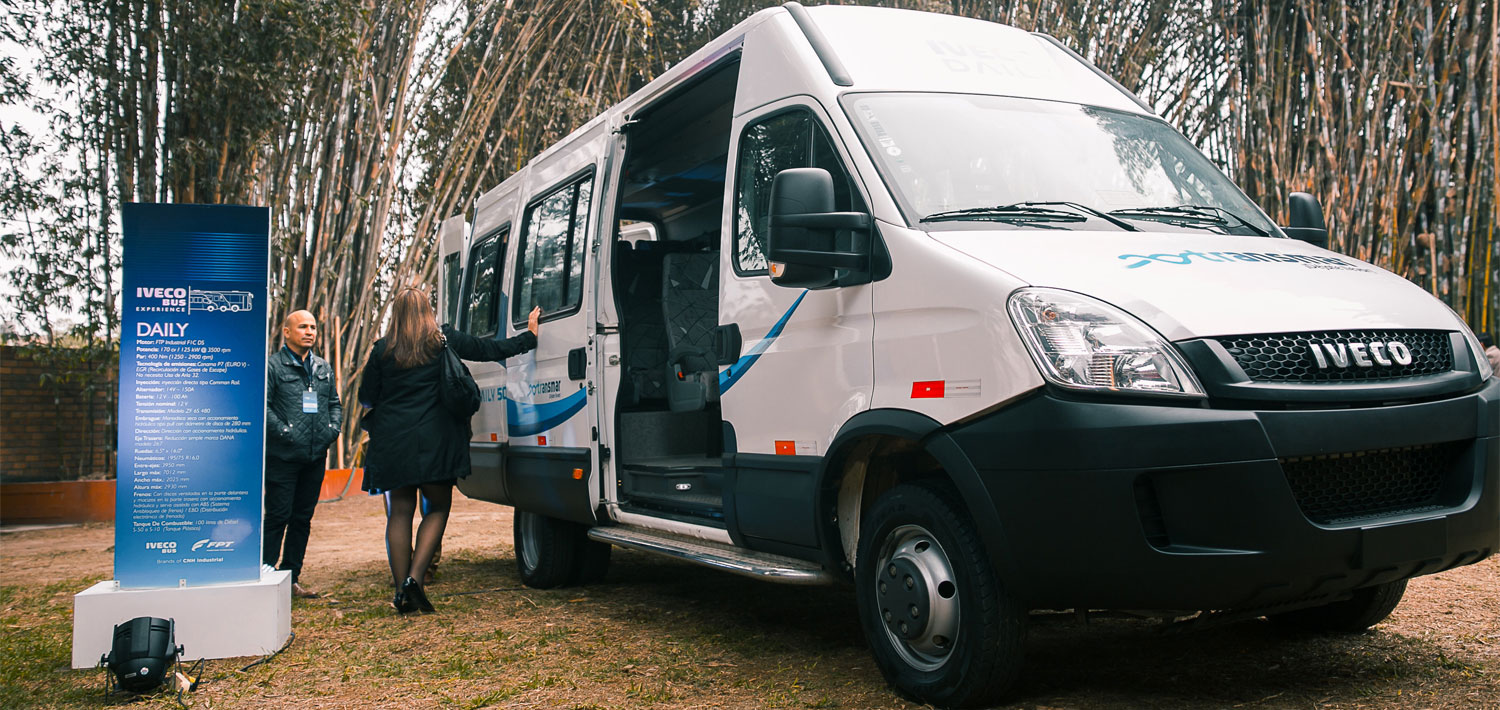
[(1370, 354)]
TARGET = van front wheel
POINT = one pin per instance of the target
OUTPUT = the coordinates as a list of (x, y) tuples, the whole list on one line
[(942, 628), (1367, 607)]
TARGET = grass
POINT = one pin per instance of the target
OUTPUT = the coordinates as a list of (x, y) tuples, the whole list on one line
[(36, 650), (660, 635)]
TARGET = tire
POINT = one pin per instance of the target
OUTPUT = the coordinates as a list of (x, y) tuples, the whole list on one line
[(547, 549), (959, 642), (1368, 607), (554, 553)]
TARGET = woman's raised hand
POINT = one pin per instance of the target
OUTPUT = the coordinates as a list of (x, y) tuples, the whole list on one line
[(533, 323)]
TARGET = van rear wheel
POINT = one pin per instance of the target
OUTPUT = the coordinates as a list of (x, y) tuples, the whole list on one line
[(941, 626), (556, 553), (1368, 607), (592, 563)]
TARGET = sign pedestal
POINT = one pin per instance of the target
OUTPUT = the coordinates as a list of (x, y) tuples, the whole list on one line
[(190, 480), (213, 621)]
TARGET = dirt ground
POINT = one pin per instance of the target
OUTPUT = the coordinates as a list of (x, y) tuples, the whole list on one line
[(663, 634)]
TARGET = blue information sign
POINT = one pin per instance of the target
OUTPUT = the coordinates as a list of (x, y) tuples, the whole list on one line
[(192, 394)]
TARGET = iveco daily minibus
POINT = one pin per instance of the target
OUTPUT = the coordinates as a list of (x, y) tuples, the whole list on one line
[(932, 306)]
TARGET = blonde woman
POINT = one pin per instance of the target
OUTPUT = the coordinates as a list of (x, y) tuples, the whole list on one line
[(415, 443)]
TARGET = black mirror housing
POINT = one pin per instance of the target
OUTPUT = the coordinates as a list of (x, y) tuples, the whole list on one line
[(802, 244), (1305, 220), (795, 193)]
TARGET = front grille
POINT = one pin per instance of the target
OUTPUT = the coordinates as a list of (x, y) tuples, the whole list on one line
[(1288, 357), (1338, 487)]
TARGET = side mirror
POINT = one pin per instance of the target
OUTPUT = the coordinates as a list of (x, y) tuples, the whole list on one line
[(801, 242), (1305, 220)]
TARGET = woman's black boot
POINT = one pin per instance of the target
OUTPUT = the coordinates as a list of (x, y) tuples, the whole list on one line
[(403, 602), (415, 596)]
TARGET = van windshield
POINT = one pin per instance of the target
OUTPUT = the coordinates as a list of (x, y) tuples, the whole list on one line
[(961, 161)]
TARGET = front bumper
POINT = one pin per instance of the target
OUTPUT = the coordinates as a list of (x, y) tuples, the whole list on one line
[(1130, 506)]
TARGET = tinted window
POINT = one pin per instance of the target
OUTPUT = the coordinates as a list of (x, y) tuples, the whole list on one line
[(483, 286), (553, 240), (787, 140), (451, 283)]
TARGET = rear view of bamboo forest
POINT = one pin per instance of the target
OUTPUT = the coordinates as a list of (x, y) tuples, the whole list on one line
[(362, 124)]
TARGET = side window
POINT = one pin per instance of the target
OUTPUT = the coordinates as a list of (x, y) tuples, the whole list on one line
[(451, 283), (553, 240), (483, 285), (793, 139)]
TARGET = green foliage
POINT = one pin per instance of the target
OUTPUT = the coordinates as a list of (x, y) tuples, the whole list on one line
[(55, 236)]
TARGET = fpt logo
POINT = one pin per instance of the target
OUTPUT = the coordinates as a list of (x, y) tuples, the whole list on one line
[(167, 547), (213, 545)]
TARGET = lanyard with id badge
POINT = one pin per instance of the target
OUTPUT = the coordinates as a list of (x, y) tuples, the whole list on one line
[(309, 398)]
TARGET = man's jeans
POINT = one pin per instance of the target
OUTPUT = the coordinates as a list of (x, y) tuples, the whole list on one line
[(291, 497)]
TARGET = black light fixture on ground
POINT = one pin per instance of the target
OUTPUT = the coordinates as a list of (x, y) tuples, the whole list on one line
[(143, 653)]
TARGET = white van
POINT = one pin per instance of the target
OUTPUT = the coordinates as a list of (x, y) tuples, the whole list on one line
[(932, 305)]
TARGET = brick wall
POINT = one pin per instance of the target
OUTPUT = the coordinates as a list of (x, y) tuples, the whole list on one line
[(51, 428)]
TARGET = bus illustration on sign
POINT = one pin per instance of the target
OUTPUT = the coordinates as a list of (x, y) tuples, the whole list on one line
[(233, 301)]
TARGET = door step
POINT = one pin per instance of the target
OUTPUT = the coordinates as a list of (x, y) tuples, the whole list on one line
[(749, 563)]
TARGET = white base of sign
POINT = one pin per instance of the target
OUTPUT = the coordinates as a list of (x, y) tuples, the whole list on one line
[(215, 621)]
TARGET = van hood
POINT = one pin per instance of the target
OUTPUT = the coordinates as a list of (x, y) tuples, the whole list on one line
[(1206, 285)]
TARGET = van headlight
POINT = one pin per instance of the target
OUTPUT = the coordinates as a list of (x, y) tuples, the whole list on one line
[(1085, 344)]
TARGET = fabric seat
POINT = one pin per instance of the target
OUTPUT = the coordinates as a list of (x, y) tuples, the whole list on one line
[(690, 309), (643, 339)]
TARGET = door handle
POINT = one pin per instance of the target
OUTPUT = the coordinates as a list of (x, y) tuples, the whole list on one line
[(577, 363), (727, 344)]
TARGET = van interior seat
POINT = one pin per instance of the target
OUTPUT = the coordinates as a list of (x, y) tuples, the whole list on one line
[(643, 337), (690, 309)]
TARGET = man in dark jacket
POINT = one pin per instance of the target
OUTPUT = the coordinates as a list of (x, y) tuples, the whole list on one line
[(303, 416)]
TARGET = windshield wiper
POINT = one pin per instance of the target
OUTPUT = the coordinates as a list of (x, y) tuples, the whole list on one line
[(1190, 215), (1122, 224), (1031, 211), (1020, 212)]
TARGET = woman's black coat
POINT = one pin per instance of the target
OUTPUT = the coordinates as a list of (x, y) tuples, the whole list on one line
[(413, 439)]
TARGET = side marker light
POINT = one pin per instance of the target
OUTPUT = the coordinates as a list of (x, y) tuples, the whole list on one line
[(930, 389)]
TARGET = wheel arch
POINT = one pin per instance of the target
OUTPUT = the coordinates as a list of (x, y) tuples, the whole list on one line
[(881, 448)]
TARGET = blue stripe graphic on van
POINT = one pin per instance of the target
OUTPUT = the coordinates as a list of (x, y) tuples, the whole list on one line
[(523, 419), (733, 373)]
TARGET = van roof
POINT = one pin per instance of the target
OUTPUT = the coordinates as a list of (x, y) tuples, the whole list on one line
[(886, 49)]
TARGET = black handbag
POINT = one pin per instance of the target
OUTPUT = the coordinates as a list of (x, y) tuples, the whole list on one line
[(457, 390)]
